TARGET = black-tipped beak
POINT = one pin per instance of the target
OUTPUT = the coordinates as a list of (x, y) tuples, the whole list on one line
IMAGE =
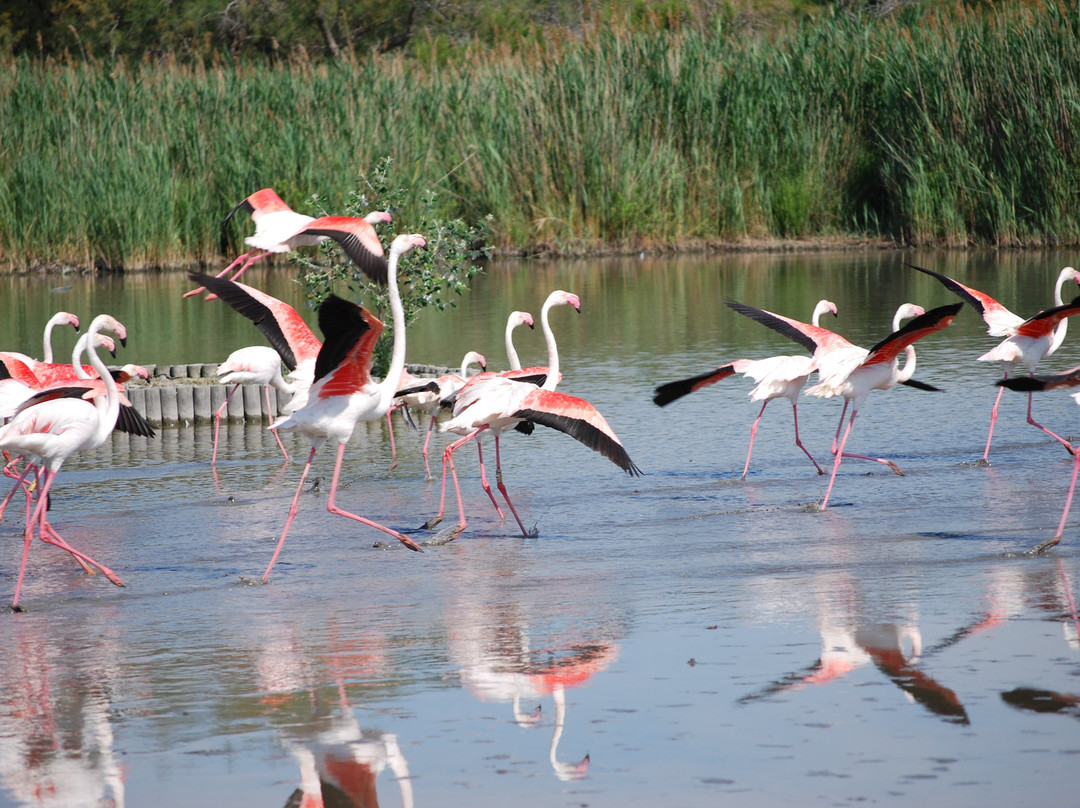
[(123, 341)]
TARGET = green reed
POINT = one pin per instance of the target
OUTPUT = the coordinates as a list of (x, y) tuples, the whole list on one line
[(922, 128)]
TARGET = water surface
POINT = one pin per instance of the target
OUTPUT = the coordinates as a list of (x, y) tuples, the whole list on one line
[(681, 639)]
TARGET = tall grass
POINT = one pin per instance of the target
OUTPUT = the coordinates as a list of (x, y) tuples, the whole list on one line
[(920, 128)]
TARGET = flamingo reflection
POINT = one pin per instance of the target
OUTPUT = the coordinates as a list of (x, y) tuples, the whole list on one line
[(54, 718)]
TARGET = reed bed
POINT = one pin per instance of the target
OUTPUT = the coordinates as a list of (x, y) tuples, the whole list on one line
[(920, 128)]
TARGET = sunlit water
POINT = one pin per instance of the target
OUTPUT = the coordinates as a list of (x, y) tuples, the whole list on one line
[(680, 639)]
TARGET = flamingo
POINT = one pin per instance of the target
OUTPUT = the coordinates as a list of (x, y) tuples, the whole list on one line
[(854, 374), (531, 376), (1070, 378), (256, 364), (52, 431), (1027, 341), (776, 377), (343, 393), (500, 403), (60, 318), (430, 396), (280, 229), (285, 330)]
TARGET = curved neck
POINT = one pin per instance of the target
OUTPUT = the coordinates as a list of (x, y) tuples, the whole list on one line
[(110, 408), (511, 352), (46, 347), (553, 350), (397, 355), (1062, 327), (76, 356), (908, 370)]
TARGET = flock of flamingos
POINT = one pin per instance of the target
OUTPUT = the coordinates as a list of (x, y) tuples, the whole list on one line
[(53, 410)]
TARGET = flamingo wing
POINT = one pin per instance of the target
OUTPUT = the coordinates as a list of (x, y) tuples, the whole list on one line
[(259, 204), (672, 391), (1043, 323), (1070, 378), (359, 240), (1000, 321), (811, 337), (350, 333), (13, 368), (914, 330), (286, 330), (580, 420)]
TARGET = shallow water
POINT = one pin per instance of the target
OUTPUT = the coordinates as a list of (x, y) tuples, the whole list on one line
[(699, 638)]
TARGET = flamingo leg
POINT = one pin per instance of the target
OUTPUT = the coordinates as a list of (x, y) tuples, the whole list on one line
[(1046, 545), (270, 415), (330, 506), (239, 272), (448, 453), (293, 509), (838, 458), (1033, 422), (753, 434), (225, 271), (217, 421), (506, 496), (993, 420), (483, 477), (839, 426), (427, 440), (393, 448), (19, 483), (799, 443)]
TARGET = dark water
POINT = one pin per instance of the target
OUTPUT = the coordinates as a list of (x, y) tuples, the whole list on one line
[(702, 640)]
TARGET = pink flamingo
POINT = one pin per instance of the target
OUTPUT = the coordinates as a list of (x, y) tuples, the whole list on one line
[(52, 431), (1070, 378), (256, 364), (532, 376), (429, 396), (343, 392), (776, 377), (60, 318), (854, 374), (1026, 343), (280, 229)]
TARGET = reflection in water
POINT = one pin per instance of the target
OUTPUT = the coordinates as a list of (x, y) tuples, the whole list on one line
[(57, 747), (503, 657), (339, 761)]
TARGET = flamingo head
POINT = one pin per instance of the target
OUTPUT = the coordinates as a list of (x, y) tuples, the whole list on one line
[(827, 307), (474, 358), (378, 217), (407, 241), (561, 298), (128, 372), (106, 342), (67, 318), (106, 322), (520, 318), (1068, 274), (906, 312)]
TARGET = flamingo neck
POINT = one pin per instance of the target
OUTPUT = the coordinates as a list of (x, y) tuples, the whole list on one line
[(46, 347), (76, 356), (1062, 327), (553, 350), (908, 370), (110, 409), (511, 352), (390, 384)]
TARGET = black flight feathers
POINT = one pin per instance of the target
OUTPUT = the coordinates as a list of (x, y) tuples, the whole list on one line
[(586, 433), (251, 308), (343, 326)]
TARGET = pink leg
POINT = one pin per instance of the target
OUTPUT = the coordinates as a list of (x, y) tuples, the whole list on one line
[(19, 483), (217, 420), (1046, 545), (799, 443), (225, 271), (837, 459), (393, 448), (1033, 422), (293, 508), (483, 477), (448, 460), (270, 415), (892, 466), (993, 420), (753, 434), (239, 272), (330, 506), (427, 440), (502, 490), (839, 426)]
